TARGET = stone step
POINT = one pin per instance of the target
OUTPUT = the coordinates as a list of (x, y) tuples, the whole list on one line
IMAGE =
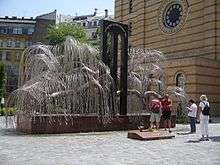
[(146, 135)]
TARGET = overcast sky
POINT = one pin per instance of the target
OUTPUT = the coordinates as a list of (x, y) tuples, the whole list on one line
[(32, 8)]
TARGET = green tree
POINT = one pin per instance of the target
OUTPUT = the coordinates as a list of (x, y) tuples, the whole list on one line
[(2, 81), (58, 33)]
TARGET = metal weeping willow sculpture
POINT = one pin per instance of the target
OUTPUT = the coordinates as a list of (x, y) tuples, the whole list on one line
[(72, 80), (67, 79)]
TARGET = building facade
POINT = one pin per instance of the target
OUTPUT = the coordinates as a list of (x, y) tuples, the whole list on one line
[(16, 34), (187, 32), (90, 22)]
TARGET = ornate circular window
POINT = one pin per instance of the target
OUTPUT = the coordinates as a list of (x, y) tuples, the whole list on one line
[(172, 15)]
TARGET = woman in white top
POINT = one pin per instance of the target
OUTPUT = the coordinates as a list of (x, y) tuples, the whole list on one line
[(204, 118)]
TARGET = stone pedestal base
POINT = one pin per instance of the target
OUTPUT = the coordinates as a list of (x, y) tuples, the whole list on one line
[(73, 124), (145, 135)]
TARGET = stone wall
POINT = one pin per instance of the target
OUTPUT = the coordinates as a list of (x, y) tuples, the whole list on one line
[(194, 50), (73, 124), (217, 29), (41, 27)]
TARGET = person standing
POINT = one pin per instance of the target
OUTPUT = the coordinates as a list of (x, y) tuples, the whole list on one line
[(192, 112), (155, 108), (166, 103), (204, 109)]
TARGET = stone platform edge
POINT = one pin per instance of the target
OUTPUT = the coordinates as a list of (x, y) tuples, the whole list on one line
[(56, 124)]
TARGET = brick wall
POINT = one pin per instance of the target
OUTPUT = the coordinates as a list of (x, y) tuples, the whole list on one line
[(194, 50)]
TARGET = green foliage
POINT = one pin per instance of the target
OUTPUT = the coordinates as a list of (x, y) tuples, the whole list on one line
[(7, 111), (58, 33), (2, 80)]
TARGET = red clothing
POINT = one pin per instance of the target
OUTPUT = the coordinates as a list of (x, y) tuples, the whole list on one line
[(166, 104), (155, 105)]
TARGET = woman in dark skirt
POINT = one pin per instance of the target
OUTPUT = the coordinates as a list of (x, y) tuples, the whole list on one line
[(166, 111)]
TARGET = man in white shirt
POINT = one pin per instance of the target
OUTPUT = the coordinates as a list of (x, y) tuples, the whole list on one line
[(192, 112)]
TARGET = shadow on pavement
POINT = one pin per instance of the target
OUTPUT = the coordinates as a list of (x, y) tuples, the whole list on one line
[(215, 138), (193, 141), (10, 132), (183, 133), (13, 132), (211, 139), (214, 120)]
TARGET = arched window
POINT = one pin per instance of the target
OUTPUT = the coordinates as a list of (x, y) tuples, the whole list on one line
[(0, 55), (180, 80), (89, 24), (95, 23)]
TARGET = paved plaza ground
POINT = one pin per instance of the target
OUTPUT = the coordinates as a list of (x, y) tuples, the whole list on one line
[(113, 148)]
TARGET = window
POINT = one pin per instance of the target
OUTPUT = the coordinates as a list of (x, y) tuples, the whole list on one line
[(89, 24), (84, 24), (17, 30), (180, 80), (28, 43), (9, 30), (30, 30), (1, 30), (0, 55), (24, 31), (9, 44), (8, 56), (173, 15), (17, 44), (130, 6), (18, 55), (95, 23), (4, 30), (1, 43), (94, 35), (3, 54)]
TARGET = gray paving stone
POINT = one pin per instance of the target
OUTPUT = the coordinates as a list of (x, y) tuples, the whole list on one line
[(113, 148)]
